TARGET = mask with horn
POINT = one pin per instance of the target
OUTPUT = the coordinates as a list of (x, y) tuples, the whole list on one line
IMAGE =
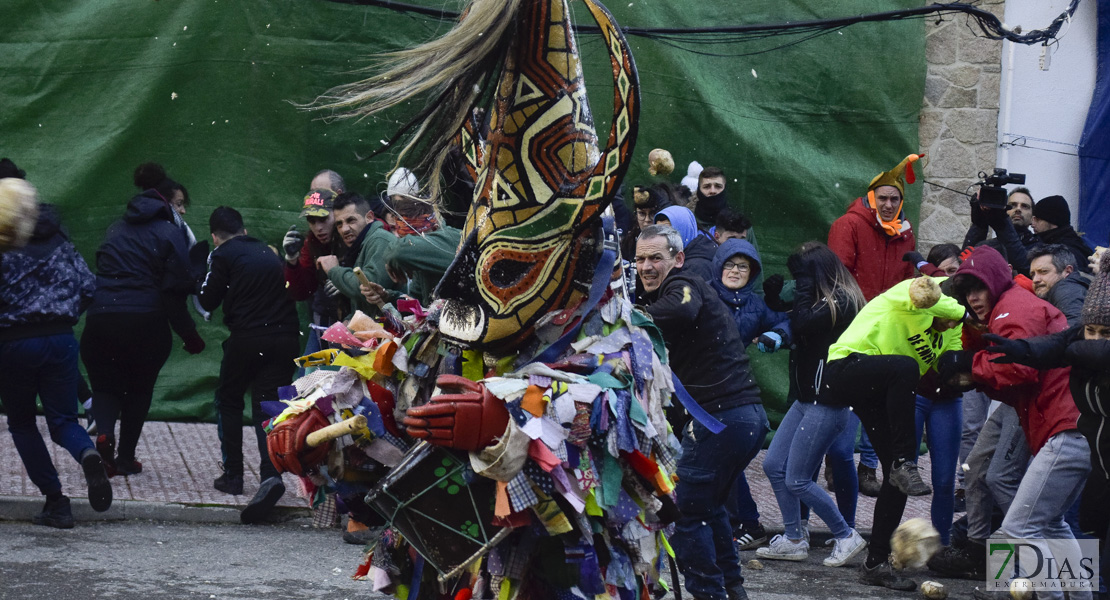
[(531, 242)]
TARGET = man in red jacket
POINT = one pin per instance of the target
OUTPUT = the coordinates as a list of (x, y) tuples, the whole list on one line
[(872, 236), (1048, 415)]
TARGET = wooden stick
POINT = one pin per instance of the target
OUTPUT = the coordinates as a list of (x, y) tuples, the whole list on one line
[(336, 430)]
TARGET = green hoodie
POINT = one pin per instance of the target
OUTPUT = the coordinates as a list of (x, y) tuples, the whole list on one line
[(371, 258), (424, 258), (891, 324)]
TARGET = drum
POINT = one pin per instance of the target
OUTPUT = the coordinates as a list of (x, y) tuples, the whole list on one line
[(440, 506)]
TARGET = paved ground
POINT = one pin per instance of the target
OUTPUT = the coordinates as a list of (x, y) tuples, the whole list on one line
[(140, 559), (176, 537), (180, 460)]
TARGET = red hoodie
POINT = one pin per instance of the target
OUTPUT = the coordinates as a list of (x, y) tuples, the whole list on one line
[(873, 257), (1042, 398)]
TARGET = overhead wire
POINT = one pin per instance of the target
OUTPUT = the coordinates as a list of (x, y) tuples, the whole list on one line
[(681, 37)]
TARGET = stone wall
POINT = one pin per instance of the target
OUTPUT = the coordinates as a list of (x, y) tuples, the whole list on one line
[(959, 122)]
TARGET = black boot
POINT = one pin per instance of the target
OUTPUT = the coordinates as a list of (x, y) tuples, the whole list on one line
[(269, 492), (969, 562), (100, 489), (229, 483), (56, 514), (869, 484)]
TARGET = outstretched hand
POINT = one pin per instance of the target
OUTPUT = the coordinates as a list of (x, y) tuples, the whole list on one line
[(1012, 351)]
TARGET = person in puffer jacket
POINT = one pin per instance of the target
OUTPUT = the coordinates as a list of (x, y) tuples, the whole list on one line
[(143, 277), (737, 266), (46, 287)]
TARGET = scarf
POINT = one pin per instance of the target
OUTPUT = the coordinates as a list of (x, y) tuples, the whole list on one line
[(893, 227), (420, 224)]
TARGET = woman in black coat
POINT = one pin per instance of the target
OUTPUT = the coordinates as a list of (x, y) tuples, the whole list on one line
[(143, 278)]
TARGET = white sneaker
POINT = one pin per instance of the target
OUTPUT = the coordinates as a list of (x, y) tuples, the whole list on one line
[(845, 549), (782, 548)]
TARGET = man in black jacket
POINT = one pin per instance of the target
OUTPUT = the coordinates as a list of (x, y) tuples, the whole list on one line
[(47, 286), (1052, 222), (247, 277), (707, 356), (1056, 279)]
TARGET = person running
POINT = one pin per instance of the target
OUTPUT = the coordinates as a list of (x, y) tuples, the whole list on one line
[(143, 278)]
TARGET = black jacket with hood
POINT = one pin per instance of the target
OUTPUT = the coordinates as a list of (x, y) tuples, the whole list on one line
[(812, 329), (1089, 382), (45, 286), (1067, 236), (702, 342), (143, 264)]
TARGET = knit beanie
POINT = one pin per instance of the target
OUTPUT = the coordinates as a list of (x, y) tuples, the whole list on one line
[(1053, 209), (402, 182), (1096, 309), (691, 178)]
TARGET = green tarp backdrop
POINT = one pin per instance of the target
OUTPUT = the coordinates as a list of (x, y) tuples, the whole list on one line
[(90, 89)]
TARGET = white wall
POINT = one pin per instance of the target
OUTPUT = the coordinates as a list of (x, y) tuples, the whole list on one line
[(1049, 105)]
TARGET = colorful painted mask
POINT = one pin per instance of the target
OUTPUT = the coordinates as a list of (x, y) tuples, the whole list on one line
[(531, 242)]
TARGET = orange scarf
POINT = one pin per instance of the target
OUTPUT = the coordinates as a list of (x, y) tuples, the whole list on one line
[(892, 228)]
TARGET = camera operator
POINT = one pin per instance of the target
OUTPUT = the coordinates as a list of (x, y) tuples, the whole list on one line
[(990, 210)]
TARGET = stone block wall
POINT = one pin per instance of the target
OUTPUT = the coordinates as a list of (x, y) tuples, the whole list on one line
[(959, 122)]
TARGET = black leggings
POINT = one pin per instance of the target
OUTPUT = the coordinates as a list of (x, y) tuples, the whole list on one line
[(881, 391), (123, 353)]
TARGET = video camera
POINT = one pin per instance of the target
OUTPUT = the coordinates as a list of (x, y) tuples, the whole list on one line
[(991, 192)]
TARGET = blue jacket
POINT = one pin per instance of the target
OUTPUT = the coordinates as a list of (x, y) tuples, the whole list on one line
[(750, 312), (46, 285)]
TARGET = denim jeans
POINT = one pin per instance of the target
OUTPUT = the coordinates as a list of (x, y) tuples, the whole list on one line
[(741, 507), (975, 404), (1053, 481), (45, 367), (998, 461), (841, 457), (943, 421), (707, 472), (867, 456), (801, 441)]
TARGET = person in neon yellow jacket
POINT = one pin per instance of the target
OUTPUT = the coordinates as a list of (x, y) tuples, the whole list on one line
[(875, 367)]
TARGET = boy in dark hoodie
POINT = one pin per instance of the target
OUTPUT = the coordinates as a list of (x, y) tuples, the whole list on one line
[(1048, 414)]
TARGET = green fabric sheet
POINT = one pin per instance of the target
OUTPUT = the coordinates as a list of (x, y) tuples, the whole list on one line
[(210, 89)]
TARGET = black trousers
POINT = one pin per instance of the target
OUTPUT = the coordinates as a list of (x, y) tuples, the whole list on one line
[(880, 389), (123, 354), (261, 364)]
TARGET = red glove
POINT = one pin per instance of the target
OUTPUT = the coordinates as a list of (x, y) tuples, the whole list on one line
[(467, 417), (194, 344)]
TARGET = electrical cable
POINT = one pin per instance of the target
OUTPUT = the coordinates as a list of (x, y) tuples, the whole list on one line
[(988, 23)]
